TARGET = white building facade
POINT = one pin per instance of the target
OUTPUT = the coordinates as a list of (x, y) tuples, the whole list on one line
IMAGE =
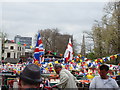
[(13, 50)]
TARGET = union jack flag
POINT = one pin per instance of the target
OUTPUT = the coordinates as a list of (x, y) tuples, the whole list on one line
[(39, 50)]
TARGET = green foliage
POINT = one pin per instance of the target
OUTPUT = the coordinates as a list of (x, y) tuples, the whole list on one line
[(91, 56), (106, 33)]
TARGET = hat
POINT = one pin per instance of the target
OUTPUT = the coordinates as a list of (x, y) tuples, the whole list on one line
[(31, 73)]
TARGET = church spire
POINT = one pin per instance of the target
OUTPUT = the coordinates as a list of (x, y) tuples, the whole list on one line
[(83, 49)]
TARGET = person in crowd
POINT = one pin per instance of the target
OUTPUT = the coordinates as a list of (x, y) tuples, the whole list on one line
[(103, 81), (74, 73), (30, 77), (118, 80), (67, 80)]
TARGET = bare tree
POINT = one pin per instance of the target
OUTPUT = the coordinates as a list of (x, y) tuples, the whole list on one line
[(55, 41)]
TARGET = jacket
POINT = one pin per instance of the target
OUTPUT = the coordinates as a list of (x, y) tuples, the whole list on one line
[(67, 80)]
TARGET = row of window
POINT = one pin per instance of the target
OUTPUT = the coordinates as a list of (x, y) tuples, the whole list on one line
[(24, 38), (12, 47), (9, 55), (20, 48)]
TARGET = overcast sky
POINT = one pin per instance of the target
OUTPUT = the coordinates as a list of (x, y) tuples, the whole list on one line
[(26, 18)]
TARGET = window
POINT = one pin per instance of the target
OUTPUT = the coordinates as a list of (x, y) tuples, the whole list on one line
[(2, 58), (6, 47), (18, 48), (11, 47), (22, 48), (8, 55), (14, 55), (18, 55)]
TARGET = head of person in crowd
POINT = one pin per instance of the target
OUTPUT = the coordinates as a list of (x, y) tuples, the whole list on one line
[(57, 68), (103, 71), (30, 77), (73, 72)]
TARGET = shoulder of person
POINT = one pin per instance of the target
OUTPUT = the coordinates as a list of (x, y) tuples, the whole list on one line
[(62, 71), (97, 77)]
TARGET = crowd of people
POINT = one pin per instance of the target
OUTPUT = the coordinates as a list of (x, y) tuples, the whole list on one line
[(30, 76)]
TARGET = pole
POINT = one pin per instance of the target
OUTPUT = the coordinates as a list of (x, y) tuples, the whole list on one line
[(0, 50)]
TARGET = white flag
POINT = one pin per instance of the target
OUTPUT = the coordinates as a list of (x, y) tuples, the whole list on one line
[(69, 51)]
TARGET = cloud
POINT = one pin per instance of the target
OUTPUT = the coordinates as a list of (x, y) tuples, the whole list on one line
[(26, 18), (47, 12), (55, 0)]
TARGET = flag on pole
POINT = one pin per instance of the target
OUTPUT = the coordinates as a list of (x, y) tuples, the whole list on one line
[(39, 50), (68, 55)]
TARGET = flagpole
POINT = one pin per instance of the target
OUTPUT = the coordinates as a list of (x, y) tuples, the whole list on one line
[(39, 50), (68, 55)]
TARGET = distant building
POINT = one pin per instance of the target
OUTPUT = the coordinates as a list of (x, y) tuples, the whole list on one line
[(83, 47), (26, 41), (13, 51)]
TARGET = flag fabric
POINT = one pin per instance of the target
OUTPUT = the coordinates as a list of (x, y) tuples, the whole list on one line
[(68, 55), (39, 50)]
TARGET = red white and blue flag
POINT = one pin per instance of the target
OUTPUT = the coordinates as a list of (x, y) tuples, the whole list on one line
[(39, 50), (69, 52)]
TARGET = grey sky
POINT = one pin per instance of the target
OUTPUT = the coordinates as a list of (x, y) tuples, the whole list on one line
[(26, 18)]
